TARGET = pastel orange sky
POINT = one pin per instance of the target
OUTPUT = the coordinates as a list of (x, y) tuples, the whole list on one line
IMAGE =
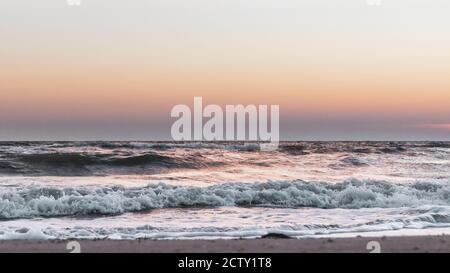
[(114, 69)]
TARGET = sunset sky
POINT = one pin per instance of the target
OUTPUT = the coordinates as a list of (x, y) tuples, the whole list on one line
[(113, 69)]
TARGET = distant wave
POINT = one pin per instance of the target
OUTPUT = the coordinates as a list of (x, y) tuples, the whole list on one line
[(287, 146), (354, 161), (75, 164), (121, 157), (35, 201), (139, 145)]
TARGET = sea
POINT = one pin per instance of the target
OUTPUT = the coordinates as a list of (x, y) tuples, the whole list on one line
[(222, 190)]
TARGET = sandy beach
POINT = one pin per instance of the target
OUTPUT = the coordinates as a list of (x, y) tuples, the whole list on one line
[(403, 244)]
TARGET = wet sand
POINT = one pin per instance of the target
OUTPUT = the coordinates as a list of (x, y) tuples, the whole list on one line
[(408, 244)]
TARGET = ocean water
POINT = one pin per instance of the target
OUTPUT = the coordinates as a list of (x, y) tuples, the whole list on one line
[(172, 190)]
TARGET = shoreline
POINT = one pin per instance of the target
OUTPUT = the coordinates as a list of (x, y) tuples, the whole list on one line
[(395, 244)]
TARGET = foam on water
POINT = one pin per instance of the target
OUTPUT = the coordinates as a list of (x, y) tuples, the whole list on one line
[(230, 222), (38, 201)]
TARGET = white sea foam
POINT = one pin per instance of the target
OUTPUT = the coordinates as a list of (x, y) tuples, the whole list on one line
[(46, 201), (230, 222)]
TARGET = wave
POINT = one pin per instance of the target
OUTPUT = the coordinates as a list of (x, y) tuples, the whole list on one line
[(354, 161), (37, 201), (139, 145), (76, 164), (136, 158), (288, 146), (437, 144)]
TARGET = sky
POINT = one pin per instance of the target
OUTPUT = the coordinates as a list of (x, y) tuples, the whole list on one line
[(113, 69)]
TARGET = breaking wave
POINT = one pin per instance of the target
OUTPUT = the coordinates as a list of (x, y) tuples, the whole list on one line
[(37, 201)]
